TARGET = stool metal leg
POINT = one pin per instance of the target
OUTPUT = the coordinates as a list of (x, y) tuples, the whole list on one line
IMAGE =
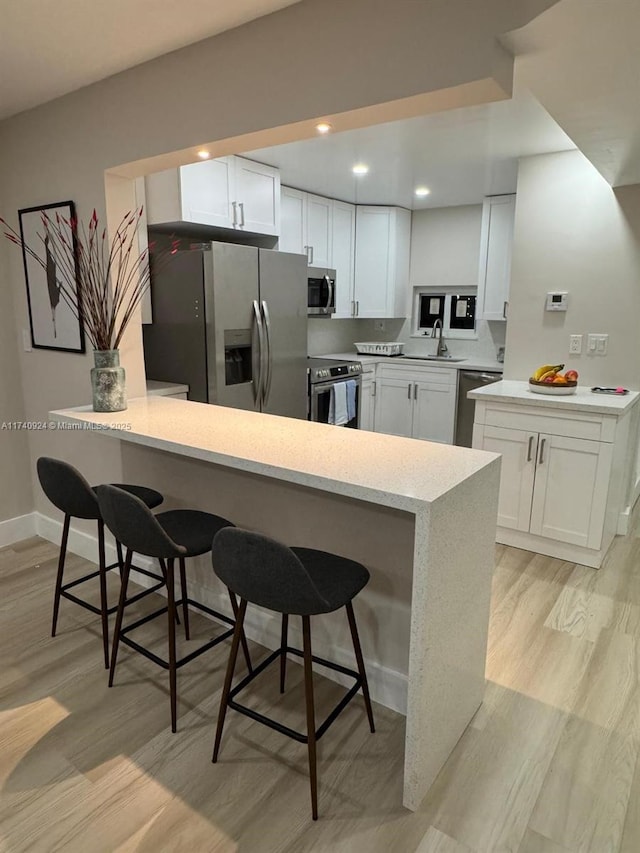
[(231, 665), (311, 720), (185, 606), (171, 614), (163, 569), (359, 659), (283, 650), (102, 563), (119, 615), (243, 638), (120, 558), (59, 576)]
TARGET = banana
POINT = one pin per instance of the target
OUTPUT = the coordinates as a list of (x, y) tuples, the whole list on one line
[(546, 370)]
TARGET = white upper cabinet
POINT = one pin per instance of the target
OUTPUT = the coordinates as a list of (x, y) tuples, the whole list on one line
[(383, 239), (307, 226), (344, 255), (257, 195), (319, 230), (229, 192), (496, 239), (293, 221)]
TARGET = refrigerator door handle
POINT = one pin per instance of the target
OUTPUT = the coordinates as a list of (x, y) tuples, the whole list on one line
[(268, 354), (257, 335)]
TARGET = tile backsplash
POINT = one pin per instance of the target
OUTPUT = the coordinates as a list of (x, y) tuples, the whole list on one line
[(326, 335)]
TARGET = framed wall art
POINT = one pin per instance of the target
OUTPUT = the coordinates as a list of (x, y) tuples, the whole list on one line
[(53, 306)]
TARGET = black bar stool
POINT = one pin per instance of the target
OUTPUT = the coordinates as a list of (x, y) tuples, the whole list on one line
[(292, 581), (68, 490), (176, 534)]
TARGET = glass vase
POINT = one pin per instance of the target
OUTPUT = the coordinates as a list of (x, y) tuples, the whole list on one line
[(108, 382)]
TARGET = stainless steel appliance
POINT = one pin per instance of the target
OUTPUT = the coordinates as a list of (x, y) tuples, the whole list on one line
[(231, 322), (467, 381), (321, 291), (324, 375)]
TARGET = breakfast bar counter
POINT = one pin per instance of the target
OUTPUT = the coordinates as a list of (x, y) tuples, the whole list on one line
[(420, 515)]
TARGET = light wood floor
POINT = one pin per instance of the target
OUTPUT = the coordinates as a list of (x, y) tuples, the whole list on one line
[(549, 765)]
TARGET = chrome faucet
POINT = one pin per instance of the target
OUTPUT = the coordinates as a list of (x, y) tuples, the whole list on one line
[(442, 347)]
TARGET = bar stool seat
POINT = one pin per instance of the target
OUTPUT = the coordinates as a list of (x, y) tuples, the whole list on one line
[(175, 534), (292, 581), (68, 490), (192, 528)]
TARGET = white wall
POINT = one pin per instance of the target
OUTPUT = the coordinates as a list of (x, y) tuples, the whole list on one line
[(574, 233), (15, 479)]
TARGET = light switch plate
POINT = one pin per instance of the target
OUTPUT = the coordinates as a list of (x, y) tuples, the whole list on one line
[(26, 340), (597, 344)]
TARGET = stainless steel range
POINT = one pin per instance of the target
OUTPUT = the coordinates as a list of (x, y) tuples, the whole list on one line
[(334, 391)]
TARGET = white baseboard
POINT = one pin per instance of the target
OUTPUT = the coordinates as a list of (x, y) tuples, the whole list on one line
[(625, 515), (387, 686), (14, 529)]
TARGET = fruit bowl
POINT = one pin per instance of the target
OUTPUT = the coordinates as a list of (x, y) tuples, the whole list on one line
[(558, 389)]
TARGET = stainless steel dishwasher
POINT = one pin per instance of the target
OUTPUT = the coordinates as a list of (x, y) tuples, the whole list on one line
[(467, 381)]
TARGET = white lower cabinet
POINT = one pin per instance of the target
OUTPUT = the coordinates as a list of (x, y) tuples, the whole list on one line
[(366, 409), (416, 402), (552, 485), (561, 478)]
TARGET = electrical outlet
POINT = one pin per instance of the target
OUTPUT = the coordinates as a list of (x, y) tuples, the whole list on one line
[(597, 344), (575, 344), (26, 340), (379, 325)]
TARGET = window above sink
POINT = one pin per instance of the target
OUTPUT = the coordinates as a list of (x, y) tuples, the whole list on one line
[(454, 307)]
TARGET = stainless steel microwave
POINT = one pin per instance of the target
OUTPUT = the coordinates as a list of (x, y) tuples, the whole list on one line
[(321, 291)]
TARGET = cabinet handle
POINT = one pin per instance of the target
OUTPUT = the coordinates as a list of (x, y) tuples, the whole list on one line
[(234, 205), (353, 308), (530, 450), (311, 254), (415, 391), (357, 308), (241, 206), (373, 388), (541, 457), (504, 310), (409, 391)]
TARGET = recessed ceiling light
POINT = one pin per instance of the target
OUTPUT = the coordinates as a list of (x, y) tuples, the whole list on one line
[(421, 192), (324, 127), (204, 155), (360, 169)]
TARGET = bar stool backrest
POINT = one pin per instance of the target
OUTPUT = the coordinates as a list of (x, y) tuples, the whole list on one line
[(265, 572), (66, 488), (134, 525)]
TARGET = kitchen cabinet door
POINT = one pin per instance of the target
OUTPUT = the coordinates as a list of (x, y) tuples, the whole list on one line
[(570, 493), (257, 195), (394, 406), (343, 256), (517, 472), (434, 411), (383, 236), (319, 230), (207, 192), (495, 256), (367, 403), (293, 221)]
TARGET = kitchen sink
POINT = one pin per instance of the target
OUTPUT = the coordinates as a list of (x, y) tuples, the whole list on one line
[(432, 358)]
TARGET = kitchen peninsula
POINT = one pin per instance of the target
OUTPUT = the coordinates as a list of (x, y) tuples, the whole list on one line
[(420, 515)]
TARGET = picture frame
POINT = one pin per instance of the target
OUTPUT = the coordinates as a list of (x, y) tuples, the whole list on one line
[(53, 323)]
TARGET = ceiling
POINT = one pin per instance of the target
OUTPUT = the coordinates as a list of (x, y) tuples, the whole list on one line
[(48, 48), (460, 155)]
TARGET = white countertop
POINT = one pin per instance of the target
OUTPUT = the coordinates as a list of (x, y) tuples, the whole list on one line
[(466, 364), (163, 389), (388, 470), (512, 391)]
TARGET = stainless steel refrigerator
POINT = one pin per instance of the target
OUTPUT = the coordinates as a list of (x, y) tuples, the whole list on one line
[(230, 321)]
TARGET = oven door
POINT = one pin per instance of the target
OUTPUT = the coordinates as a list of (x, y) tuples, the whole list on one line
[(321, 294), (320, 401)]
